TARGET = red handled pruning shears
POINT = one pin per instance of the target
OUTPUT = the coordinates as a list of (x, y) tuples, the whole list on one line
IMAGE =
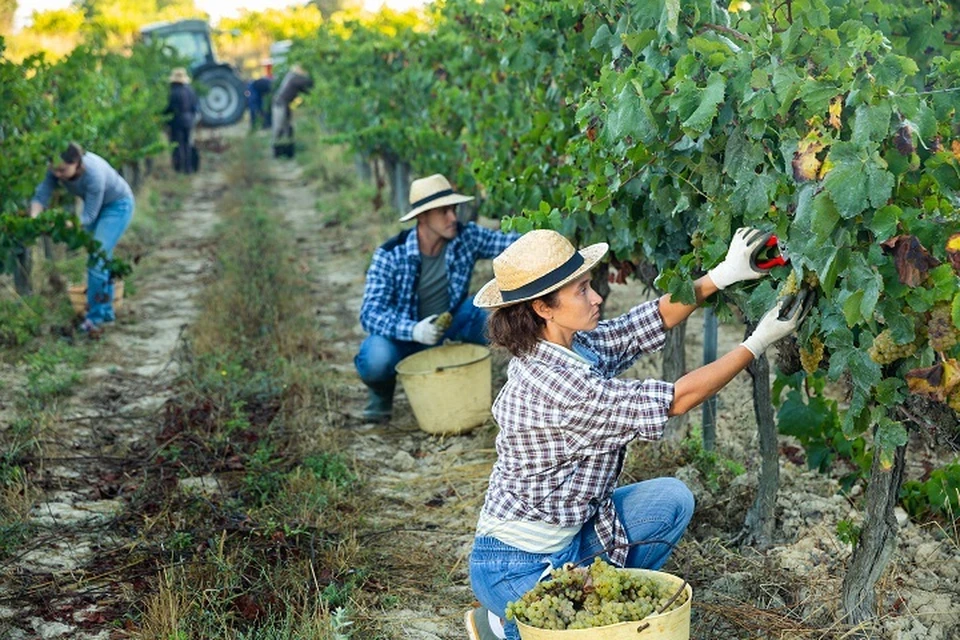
[(768, 255)]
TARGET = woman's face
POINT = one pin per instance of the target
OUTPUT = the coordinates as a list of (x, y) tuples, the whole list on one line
[(578, 306), (65, 170)]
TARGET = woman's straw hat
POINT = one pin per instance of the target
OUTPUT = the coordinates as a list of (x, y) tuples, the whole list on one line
[(539, 262), (179, 75), (430, 193)]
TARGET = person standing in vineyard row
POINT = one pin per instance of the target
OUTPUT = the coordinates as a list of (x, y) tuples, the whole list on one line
[(107, 210), (415, 278), (182, 107), (257, 91), (296, 81), (565, 419)]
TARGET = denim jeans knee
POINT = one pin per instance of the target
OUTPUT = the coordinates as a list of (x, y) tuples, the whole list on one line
[(377, 359)]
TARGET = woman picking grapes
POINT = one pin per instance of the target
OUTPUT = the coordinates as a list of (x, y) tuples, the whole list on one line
[(107, 211), (565, 419)]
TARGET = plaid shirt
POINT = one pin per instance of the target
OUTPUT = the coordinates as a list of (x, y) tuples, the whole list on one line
[(390, 298), (565, 424)]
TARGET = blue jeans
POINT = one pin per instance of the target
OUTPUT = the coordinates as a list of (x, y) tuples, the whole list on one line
[(113, 220), (378, 357), (658, 509)]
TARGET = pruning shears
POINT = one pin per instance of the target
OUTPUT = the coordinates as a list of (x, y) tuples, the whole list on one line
[(771, 253)]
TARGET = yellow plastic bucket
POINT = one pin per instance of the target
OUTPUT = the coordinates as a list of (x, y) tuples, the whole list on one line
[(673, 625), (78, 296), (448, 387)]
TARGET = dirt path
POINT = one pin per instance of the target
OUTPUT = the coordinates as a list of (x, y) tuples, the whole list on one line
[(90, 456), (429, 489)]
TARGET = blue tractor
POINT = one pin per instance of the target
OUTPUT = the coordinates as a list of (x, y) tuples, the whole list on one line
[(220, 88)]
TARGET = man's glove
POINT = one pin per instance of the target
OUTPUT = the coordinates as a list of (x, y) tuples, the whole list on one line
[(426, 332), (779, 322), (736, 265)]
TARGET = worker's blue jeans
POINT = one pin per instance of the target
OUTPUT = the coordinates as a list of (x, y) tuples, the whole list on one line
[(657, 509), (378, 357), (113, 220)]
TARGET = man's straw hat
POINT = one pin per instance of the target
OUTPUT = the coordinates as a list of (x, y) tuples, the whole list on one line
[(431, 192), (179, 75), (539, 262)]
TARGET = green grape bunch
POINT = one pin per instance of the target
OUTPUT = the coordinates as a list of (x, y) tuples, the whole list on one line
[(885, 349), (941, 332), (811, 358), (594, 596), (444, 320)]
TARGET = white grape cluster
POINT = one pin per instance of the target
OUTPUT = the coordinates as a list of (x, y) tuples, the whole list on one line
[(595, 596)]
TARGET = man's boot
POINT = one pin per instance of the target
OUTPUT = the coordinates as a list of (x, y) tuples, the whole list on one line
[(380, 401)]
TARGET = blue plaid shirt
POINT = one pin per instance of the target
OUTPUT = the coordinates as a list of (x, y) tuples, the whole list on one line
[(390, 298)]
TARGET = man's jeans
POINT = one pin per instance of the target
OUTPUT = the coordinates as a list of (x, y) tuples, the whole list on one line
[(377, 361), (113, 220), (658, 509)]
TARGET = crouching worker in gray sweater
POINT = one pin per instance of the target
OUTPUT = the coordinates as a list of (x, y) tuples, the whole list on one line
[(107, 211)]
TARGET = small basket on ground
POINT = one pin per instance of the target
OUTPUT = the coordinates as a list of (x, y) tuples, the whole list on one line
[(671, 625), (78, 296), (449, 387)]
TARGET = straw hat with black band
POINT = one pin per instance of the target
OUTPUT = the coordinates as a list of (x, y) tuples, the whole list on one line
[(179, 75), (539, 262), (431, 192)]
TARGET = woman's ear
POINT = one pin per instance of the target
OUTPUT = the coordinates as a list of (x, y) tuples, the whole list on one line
[(541, 309)]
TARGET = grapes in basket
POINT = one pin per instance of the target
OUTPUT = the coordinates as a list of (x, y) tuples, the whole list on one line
[(594, 596)]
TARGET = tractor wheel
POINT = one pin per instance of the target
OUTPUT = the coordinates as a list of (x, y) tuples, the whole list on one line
[(224, 101)]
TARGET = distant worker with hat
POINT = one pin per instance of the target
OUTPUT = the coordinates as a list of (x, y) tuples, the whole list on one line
[(295, 82), (415, 278), (565, 418), (182, 107)]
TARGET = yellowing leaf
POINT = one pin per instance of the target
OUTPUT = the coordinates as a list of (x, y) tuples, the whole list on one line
[(836, 106), (955, 148), (805, 161), (953, 251), (936, 382), (736, 6), (825, 168)]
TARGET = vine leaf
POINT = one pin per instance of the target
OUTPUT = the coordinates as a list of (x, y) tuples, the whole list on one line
[(805, 163), (912, 260), (936, 382), (890, 434), (858, 180), (700, 120), (836, 106)]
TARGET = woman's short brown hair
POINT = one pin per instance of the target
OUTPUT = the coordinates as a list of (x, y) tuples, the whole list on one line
[(518, 328), (72, 154)]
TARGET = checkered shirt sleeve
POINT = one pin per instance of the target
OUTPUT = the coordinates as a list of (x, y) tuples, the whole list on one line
[(564, 426), (383, 311)]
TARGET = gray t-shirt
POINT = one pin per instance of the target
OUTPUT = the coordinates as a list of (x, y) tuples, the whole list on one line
[(432, 290), (99, 185)]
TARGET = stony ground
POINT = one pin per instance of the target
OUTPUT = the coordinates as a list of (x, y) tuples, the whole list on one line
[(427, 490)]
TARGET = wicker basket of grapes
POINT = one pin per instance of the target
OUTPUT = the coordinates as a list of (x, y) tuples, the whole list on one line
[(602, 602)]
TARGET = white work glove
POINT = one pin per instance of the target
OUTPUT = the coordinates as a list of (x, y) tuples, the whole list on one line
[(736, 266), (779, 322), (426, 332)]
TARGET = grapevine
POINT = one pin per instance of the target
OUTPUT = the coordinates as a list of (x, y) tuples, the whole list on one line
[(594, 596)]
